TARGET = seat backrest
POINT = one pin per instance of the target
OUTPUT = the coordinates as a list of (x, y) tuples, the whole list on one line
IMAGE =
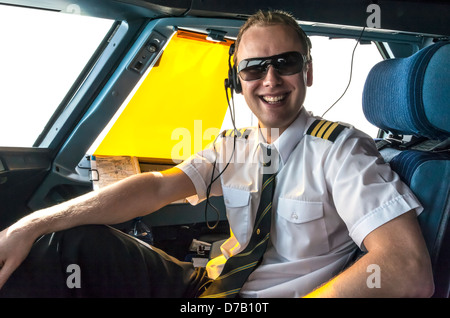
[(409, 99)]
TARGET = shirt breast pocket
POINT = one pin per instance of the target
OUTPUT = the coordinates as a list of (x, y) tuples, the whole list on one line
[(301, 230), (237, 202)]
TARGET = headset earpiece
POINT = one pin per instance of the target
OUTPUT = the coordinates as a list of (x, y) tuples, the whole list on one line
[(236, 82), (232, 81)]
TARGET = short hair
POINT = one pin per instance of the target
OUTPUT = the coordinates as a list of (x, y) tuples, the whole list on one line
[(267, 18)]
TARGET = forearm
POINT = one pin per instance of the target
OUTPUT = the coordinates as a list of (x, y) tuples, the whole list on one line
[(366, 278), (114, 204), (397, 265)]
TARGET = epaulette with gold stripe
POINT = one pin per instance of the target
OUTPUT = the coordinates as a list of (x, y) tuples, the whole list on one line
[(325, 129), (240, 133)]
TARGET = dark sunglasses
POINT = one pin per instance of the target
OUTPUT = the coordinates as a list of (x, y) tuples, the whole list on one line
[(285, 64)]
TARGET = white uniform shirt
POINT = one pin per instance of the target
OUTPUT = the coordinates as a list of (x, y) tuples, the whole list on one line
[(328, 196)]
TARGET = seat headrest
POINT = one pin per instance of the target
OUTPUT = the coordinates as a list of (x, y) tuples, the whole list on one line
[(411, 96)]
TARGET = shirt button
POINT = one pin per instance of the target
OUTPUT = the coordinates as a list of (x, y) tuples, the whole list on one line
[(294, 216)]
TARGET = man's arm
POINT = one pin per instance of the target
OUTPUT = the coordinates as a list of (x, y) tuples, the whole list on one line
[(135, 196), (399, 251)]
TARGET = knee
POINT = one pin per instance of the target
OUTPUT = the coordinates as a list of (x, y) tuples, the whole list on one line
[(87, 230), (91, 237)]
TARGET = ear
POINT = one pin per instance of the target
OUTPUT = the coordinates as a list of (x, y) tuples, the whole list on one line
[(309, 74)]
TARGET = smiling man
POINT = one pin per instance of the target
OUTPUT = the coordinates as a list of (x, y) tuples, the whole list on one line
[(297, 220), (332, 190), (275, 100)]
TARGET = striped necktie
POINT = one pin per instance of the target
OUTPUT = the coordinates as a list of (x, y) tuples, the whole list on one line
[(238, 267)]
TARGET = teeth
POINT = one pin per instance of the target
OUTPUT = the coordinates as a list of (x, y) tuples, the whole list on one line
[(273, 99)]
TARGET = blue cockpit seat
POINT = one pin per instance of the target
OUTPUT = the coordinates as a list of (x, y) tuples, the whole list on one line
[(409, 99)]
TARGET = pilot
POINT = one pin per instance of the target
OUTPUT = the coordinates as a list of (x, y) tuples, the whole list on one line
[(303, 195)]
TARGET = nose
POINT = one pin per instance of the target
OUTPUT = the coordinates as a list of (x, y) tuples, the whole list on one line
[(272, 77)]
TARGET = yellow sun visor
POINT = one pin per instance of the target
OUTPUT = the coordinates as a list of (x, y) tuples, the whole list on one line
[(179, 107)]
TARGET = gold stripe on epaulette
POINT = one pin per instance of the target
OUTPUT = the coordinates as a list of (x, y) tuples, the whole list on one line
[(325, 129), (241, 133)]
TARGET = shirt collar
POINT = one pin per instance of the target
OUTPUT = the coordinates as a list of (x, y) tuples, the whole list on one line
[(287, 141)]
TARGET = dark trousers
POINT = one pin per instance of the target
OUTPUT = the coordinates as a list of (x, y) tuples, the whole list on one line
[(100, 261)]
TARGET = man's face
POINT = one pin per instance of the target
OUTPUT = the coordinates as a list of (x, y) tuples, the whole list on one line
[(276, 100)]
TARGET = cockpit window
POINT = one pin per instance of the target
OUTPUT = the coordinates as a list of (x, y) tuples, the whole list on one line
[(177, 109), (42, 54), (334, 64), (180, 106)]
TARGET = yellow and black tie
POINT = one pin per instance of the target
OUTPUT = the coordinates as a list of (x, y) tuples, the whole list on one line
[(238, 267)]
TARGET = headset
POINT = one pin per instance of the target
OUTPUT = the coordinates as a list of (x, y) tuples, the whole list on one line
[(232, 82)]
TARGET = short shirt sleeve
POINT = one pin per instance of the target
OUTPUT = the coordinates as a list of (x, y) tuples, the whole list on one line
[(365, 191), (199, 168)]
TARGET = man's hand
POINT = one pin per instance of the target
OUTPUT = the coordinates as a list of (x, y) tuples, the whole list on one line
[(14, 248)]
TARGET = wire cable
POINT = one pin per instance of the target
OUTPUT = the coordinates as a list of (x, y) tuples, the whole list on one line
[(351, 73), (213, 179)]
